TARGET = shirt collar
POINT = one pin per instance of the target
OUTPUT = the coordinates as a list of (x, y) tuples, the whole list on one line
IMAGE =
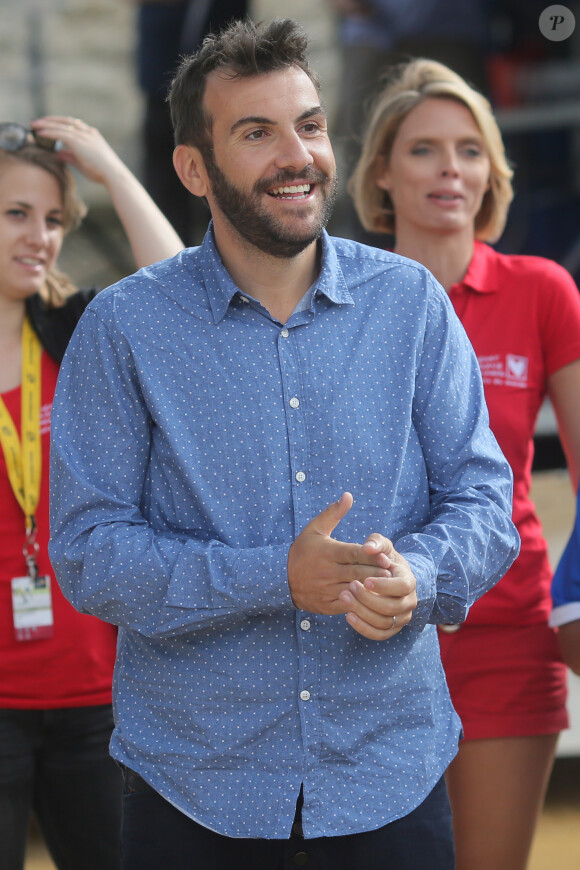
[(221, 288), (481, 275)]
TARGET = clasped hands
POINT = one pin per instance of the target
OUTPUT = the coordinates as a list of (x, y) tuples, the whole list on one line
[(371, 583)]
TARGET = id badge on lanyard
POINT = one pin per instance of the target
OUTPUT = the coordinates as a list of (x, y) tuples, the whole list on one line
[(31, 595), (32, 607)]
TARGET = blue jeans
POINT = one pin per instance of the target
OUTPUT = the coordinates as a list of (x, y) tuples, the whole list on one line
[(156, 836), (56, 764)]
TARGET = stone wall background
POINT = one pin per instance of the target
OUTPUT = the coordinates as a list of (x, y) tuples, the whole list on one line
[(71, 57), (76, 57)]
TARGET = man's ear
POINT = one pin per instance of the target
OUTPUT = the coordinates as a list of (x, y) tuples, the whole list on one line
[(190, 168)]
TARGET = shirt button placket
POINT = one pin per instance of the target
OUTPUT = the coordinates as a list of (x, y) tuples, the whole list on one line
[(294, 404), (290, 368), (292, 378)]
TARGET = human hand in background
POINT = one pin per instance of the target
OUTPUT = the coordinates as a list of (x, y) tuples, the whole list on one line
[(150, 234), (82, 146)]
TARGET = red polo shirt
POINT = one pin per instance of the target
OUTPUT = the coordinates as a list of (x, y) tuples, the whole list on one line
[(522, 315), (74, 667)]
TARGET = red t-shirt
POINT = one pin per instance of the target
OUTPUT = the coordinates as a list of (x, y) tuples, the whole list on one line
[(522, 315), (74, 667)]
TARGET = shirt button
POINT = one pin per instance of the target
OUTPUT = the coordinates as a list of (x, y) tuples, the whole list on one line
[(285, 333), (305, 624), (304, 695), (294, 403), (300, 476), (301, 859)]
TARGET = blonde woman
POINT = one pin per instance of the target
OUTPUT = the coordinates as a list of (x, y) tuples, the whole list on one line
[(57, 665), (433, 173)]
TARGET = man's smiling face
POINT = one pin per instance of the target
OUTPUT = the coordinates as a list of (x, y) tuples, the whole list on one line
[(272, 174)]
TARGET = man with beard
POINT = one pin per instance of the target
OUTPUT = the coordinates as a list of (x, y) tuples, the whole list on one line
[(279, 697)]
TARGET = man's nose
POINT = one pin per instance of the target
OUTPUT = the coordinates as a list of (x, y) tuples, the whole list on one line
[(294, 153)]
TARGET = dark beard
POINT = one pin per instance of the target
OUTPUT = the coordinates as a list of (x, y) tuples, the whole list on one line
[(254, 224)]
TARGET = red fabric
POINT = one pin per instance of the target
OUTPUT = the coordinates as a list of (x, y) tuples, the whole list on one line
[(522, 315), (74, 667), (505, 681)]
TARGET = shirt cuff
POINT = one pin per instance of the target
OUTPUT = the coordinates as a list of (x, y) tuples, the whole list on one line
[(424, 573), (225, 581), (262, 579), (564, 613)]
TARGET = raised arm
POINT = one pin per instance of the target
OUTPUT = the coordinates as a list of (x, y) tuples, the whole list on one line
[(150, 234)]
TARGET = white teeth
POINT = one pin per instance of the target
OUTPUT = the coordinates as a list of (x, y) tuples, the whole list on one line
[(30, 261), (294, 188)]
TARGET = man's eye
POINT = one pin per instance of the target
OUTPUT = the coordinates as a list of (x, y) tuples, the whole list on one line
[(256, 135)]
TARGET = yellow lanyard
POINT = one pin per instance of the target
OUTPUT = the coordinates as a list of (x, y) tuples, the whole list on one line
[(24, 455)]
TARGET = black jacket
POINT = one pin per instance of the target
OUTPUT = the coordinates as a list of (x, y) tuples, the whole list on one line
[(55, 326)]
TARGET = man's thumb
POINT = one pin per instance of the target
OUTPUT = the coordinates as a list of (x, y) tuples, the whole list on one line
[(326, 522)]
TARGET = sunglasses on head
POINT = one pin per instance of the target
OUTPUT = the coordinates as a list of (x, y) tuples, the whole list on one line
[(13, 137)]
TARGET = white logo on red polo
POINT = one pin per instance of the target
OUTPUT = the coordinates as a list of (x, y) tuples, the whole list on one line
[(516, 367), (510, 370)]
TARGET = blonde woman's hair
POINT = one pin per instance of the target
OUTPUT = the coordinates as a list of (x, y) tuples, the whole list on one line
[(406, 86), (58, 285)]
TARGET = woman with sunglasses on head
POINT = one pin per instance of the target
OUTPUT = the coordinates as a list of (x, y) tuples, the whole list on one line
[(433, 174), (55, 679)]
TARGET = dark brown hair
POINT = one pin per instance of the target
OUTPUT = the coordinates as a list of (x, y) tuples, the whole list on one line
[(242, 50)]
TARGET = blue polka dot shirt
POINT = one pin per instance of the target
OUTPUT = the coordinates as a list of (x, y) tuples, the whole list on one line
[(194, 436)]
